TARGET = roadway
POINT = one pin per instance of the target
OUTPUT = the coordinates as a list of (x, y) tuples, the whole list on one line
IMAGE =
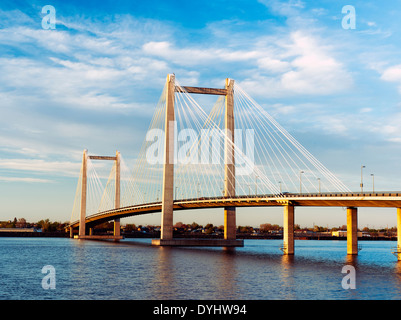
[(379, 200)]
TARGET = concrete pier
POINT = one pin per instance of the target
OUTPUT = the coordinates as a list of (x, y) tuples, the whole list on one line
[(352, 231), (288, 237), (398, 249)]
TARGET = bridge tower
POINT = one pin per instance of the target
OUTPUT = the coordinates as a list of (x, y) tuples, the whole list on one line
[(166, 237), (84, 186), (229, 162), (117, 226), (168, 170), (82, 216)]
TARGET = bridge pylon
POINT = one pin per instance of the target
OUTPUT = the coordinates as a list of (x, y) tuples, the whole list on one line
[(82, 216), (82, 233), (166, 237), (168, 169), (229, 162)]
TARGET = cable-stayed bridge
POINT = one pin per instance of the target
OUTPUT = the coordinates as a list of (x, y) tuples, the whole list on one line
[(233, 155)]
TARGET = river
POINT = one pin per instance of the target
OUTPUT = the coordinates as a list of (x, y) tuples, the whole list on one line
[(134, 270)]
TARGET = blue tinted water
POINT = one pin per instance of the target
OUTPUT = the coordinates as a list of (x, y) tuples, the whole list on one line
[(132, 269)]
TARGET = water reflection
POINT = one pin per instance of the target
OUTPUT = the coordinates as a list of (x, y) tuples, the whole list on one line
[(226, 275), (397, 268), (351, 259), (287, 276), (163, 280)]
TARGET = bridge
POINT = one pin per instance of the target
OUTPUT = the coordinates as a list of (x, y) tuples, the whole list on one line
[(193, 159)]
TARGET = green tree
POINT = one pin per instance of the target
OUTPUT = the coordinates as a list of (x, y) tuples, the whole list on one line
[(44, 225)]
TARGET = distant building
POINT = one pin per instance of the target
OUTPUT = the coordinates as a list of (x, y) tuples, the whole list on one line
[(343, 233), (339, 233)]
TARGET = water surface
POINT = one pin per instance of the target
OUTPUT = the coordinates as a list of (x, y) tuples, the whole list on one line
[(133, 269)]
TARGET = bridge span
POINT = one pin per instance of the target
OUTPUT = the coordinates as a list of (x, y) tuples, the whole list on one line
[(378, 200), (226, 182)]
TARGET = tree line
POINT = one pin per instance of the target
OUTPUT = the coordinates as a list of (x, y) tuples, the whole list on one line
[(48, 226)]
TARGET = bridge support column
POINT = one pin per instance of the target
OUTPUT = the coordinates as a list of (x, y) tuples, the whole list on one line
[(168, 171), (230, 226), (82, 217), (117, 227), (352, 231), (288, 236), (398, 234)]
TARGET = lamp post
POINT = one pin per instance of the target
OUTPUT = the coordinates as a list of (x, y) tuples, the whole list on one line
[(300, 181), (373, 181), (318, 179), (280, 186), (362, 178)]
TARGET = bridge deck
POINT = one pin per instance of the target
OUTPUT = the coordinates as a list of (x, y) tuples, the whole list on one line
[(382, 200)]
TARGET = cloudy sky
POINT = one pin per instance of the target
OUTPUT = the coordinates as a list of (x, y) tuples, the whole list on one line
[(94, 81)]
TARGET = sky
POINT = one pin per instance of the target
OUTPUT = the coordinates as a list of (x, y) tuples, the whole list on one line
[(94, 81)]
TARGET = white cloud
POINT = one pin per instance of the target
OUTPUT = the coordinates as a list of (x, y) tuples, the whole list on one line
[(302, 64), (273, 65), (392, 74), (64, 168)]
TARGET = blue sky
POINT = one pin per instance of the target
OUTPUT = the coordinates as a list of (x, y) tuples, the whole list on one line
[(94, 82)]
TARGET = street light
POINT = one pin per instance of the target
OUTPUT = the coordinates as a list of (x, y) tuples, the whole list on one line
[(318, 179), (300, 181), (280, 186), (373, 180), (362, 178)]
